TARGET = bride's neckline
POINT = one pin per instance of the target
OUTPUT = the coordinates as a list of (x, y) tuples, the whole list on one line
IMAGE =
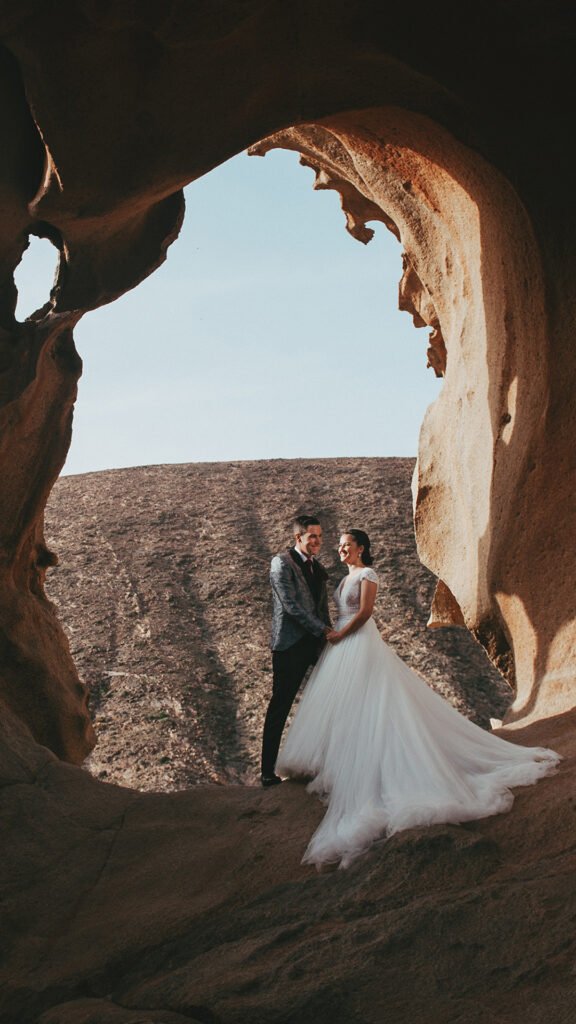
[(350, 575)]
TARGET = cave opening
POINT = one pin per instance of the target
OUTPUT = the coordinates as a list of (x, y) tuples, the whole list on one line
[(176, 697), (263, 283), (35, 276), (440, 202)]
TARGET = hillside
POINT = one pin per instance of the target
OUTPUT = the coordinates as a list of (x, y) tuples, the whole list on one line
[(163, 590)]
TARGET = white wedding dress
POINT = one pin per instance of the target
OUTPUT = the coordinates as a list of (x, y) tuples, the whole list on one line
[(386, 752)]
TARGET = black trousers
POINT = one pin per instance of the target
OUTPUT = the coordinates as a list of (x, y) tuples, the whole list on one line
[(288, 670)]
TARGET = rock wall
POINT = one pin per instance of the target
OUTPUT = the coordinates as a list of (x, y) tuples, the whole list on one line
[(448, 134)]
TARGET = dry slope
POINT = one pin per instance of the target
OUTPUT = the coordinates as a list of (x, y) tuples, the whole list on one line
[(163, 589)]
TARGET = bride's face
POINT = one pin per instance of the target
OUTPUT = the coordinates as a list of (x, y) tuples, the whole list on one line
[(350, 552)]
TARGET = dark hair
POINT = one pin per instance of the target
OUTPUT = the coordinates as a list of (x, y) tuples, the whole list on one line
[(300, 524), (363, 540)]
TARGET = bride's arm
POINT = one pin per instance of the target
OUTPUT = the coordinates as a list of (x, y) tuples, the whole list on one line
[(367, 598)]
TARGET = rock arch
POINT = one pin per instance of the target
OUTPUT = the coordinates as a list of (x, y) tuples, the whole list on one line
[(111, 109)]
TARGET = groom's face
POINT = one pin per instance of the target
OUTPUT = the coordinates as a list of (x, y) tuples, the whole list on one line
[(310, 542)]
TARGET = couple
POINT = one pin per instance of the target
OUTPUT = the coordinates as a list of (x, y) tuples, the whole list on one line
[(382, 749)]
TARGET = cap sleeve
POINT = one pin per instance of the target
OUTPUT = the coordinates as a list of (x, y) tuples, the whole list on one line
[(369, 574)]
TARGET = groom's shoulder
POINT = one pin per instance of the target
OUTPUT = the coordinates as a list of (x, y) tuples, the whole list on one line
[(282, 560)]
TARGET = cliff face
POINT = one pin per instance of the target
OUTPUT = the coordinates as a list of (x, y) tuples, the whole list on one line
[(163, 590)]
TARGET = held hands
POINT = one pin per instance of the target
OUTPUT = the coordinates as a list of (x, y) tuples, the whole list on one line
[(333, 636)]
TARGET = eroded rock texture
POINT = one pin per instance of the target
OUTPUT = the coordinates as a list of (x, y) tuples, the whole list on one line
[(453, 135)]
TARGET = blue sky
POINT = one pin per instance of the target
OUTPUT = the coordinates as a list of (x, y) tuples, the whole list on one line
[(268, 333)]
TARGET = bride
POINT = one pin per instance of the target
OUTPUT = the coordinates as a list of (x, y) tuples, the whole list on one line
[(382, 749)]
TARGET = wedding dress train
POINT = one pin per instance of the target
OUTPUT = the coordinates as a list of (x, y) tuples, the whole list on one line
[(386, 752)]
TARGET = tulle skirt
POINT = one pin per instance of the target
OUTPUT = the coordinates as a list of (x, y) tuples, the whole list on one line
[(387, 753)]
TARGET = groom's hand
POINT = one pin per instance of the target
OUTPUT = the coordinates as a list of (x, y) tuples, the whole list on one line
[(332, 636)]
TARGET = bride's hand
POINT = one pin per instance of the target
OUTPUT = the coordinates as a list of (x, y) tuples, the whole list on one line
[(333, 636)]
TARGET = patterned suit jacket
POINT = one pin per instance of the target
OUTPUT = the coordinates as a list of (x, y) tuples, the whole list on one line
[(294, 613)]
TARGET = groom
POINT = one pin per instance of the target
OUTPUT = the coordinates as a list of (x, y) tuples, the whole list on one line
[(300, 621)]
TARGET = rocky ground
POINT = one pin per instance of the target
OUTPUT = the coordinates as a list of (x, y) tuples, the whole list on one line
[(125, 907), (120, 907), (163, 589)]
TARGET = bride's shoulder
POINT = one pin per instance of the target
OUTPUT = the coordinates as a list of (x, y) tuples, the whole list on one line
[(369, 574)]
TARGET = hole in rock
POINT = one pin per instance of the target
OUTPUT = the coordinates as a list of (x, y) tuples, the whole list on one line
[(35, 276), (263, 287), (269, 334)]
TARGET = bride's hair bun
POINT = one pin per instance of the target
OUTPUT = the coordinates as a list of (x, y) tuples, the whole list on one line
[(363, 540)]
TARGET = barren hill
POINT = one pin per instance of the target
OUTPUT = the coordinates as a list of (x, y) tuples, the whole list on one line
[(163, 589)]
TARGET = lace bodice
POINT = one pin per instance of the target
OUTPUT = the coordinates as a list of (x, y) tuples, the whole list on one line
[(347, 594)]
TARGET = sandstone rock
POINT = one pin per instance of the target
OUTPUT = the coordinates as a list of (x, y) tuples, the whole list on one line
[(103, 1011), (118, 906)]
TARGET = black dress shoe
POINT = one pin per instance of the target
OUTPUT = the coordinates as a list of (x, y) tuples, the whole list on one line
[(270, 780)]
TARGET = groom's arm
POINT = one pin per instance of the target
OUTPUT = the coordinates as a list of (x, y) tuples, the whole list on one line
[(284, 586)]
